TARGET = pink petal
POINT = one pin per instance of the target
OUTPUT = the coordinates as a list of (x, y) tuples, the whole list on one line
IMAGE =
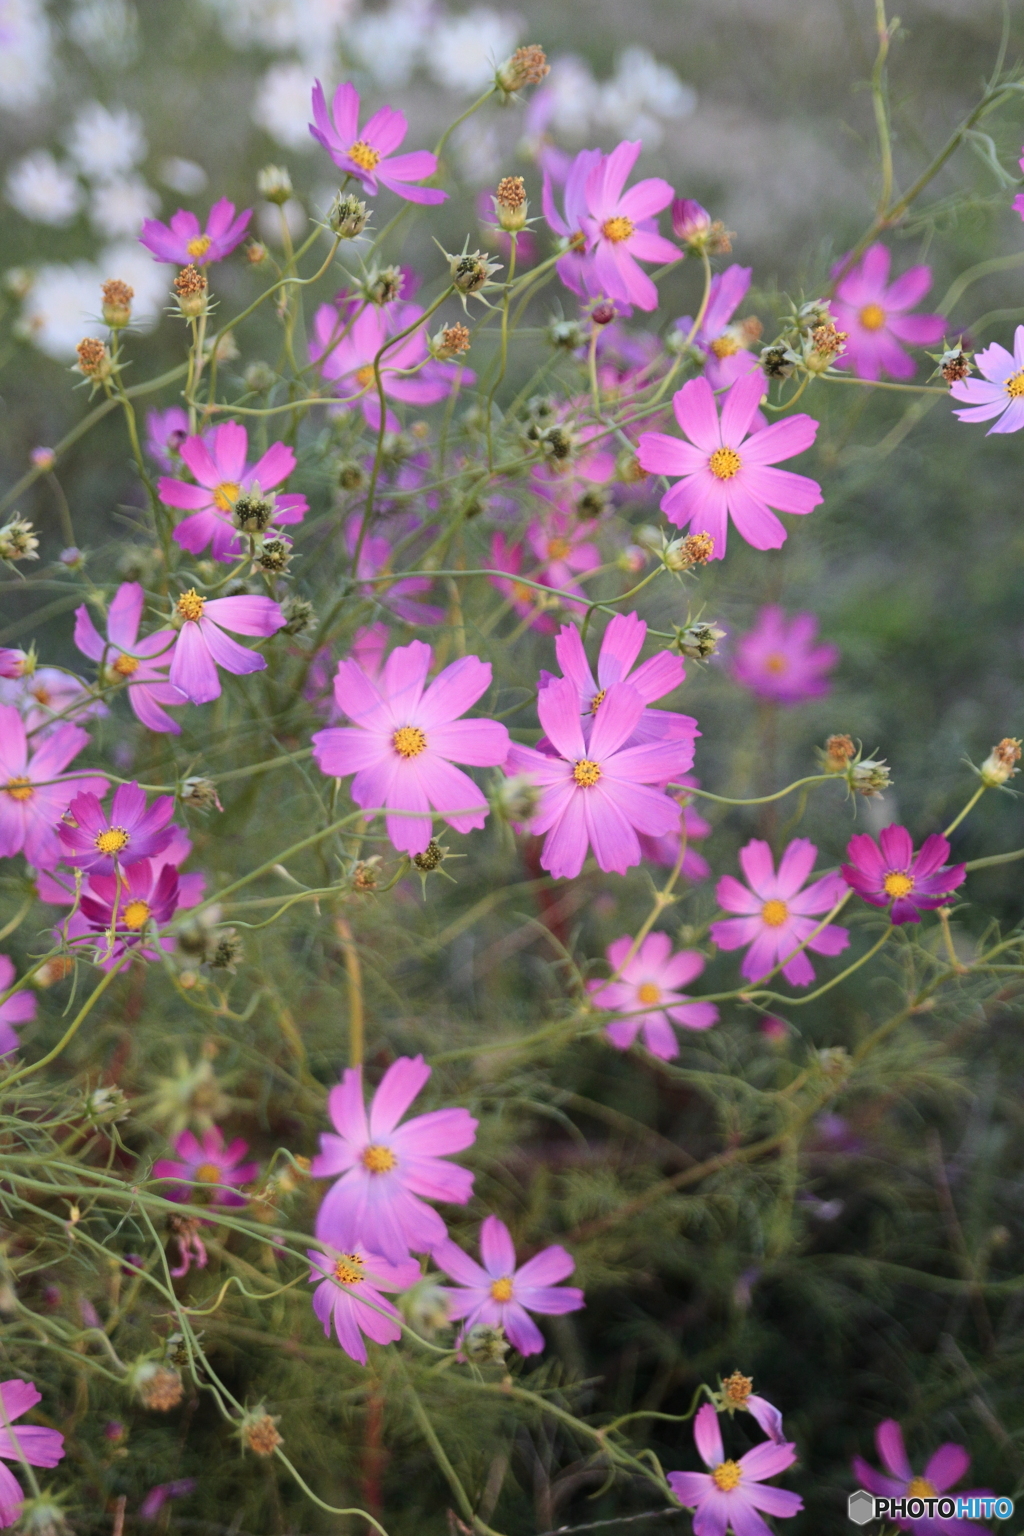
[(497, 1248), (546, 1268), (227, 653), (400, 1084), (739, 408), (708, 1436), (889, 1437), (694, 406), (558, 708), (780, 440), (453, 691), (794, 867)]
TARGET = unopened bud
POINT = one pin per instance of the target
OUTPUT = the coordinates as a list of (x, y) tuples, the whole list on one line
[(701, 234), (43, 458), (603, 314), (698, 641), (485, 1345), (868, 778), (516, 798), (200, 794), (299, 615), (16, 663), (510, 205), (18, 541), (259, 378), (93, 359), (274, 183), (117, 304), (190, 291), (1001, 763), (106, 1106), (567, 335), (348, 215), (527, 66)]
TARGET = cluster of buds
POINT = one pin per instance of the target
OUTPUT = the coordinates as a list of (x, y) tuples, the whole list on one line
[(696, 640), (510, 204), (348, 216), (190, 290), (470, 272), (94, 360), (954, 363), (866, 776), (275, 184), (451, 341), (18, 541), (527, 66), (117, 303), (699, 233), (1001, 763)]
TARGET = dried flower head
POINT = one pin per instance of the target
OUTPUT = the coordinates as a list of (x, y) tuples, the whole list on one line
[(838, 752), (158, 1387), (53, 971), (955, 364), (1001, 763), (431, 858), (470, 272), (694, 549), (255, 253), (485, 1345), (93, 358), (450, 342), (828, 341), (778, 361), (17, 541), (510, 205), (869, 777), (190, 290), (527, 66), (299, 615), (274, 183), (117, 303), (351, 475), (364, 876), (736, 1390), (259, 1432), (227, 951)]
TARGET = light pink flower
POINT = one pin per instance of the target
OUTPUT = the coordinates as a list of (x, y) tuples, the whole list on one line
[(620, 229), (527, 602), (369, 155), (46, 696), (873, 312), (184, 243), (646, 992), (157, 1497), (387, 1170), (101, 842), (730, 1493), (141, 663), (348, 1287), (778, 914), (12, 663), (346, 348), (39, 1446), (202, 646), (576, 266), (502, 1296), (563, 549), (658, 675), (1000, 392), (596, 793), (19, 1008), (207, 1167), (405, 738), (34, 791), (218, 462), (778, 659), (166, 432)]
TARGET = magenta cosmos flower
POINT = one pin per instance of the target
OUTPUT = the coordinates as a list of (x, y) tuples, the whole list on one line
[(889, 873), (947, 1467), (727, 356), (404, 740), (348, 1287), (218, 462), (873, 313), (124, 657), (19, 1008), (387, 1171), (126, 904), (575, 266), (730, 1493), (34, 1443), (619, 228), (346, 349), (184, 243), (727, 473), (202, 646), (658, 675), (207, 1167), (502, 1296), (35, 792), (665, 850), (526, 601), (597, 793), (102, 842), (1000, 392), (370, 156), (778, 659), (646, 992), (777, 914)]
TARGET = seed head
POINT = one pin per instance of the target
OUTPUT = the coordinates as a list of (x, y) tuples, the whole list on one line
[(431, 858), (274, 183), (93, 358), (694, 549), (364, 876), (698, 641), (594, 503), (778, 361), (450, 342), (1001, 763), (839, 750), (736, 1390), (18, 542), (255, 253), (190, 290), (383, 285), (274, 558), (252, 511), (158, 1387), (510, 205), (117, 303), (259, 377), (629, 470), (348, 215), (299, 615), (527, 66), (200, 794), (351, 475), (471, 271), (869, 778), (259, 1433), (556, 442), (828, 340), (955, 364), (227, 951)]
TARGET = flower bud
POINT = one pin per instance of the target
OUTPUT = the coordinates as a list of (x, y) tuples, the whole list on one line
[(190, 290), (117, 304), (200, 794), (449, 342), (43, 459), (567, 335), (93, 359), (383, 285), (510, 205), (72, 558), (252, 511), (485, 1345), (18, 542), (274, 183), (299, 615), (106, 1106), (348, 215), (527, 66), (778, 361), (471, 271), (15, 663), (275, 557), (259, 377), (701, 234), (603, 314), (42, 1516), (1001, 763), (255, 253), (869, 777), (516, 798), (698, 641), (351, 475)]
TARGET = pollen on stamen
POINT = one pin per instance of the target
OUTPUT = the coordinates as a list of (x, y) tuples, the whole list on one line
[(19, 789), (378, 1159), (724, 463), (409, 741), (648, 992), (226, 494), (1014, 385), (348, 1270), (190, 605), (209, 1173), (896, 884), (774, 914), (135, 915), (112, 840), (736, 1390), (586, 772), (126, 666), (501, 1290), (872, 317), (597, 699), (726, 1476), (199, 246), (365, 156), (618, 229)]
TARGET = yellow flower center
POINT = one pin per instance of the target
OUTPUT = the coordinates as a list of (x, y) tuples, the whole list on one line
[(774, 914), (897, 884), (872, 317), (726, 1476), (42, 695), (586, 772), (135, 915), (776, 662), (523, 593), (724, 463), (199, 246), (365, 156), (558, 548), (647, 992), (409, 741), (364, 378), (20, 789), (226, 494), (725, 346), (921, 1488), (618, 229), (379, 1159), (112, 840), (348, 1269), (126, 666), (191, 605), (209, 1173), (1014, 385), (501, 1290), (597, 699)]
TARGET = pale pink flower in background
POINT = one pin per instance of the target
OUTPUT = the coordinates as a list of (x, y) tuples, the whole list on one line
[(141, 662), (730, 1494), (35, 791), (19, 1008), (157, 1497), (526, 601), (576, 266), (207, 1166), (778, 913), (44, 696), (727, 356), (501, 1296), (646, 991), (946, 1467), (778, 659), (563, 549), (873, 313), (1000, 390), (369, 155), (346, 349)]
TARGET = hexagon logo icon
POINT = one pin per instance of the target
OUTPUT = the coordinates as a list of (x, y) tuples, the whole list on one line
[(861, 1507)]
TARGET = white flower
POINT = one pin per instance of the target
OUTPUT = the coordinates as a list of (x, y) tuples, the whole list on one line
[(61, 308), (107, 31), (575, 94), (281, 105), (183, 176), (106, 143), (119, 207), (641, 92), (25, 54), (42, 190), (134, 265), (310, 27), (390, 43), (466, 50)]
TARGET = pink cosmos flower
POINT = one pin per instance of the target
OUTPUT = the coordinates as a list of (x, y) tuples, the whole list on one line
[(576, 266), (389, 1170), (45, 696), (369, 156), (207, 1167), (727, 473), (730, 1493), (102, 843), (502, 1296), (217, 460), (619, 228), (665, 850), (596, 793), (779, 661), (727, 356), (400, 595), (12, 663), (889, 873), (346, 349), (404, 740), (126, 905), (166, 432), (658, 675), (527, 602), (873, 312), (778, 915), (141, 663), (191, 1248), (348, 1287), (157, 1497), (34, 1443), (19, 1008), (646, 991), (202, 646), (184, 243), (947, 1466), (35, 792), (562, 547), (1000, 392)]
